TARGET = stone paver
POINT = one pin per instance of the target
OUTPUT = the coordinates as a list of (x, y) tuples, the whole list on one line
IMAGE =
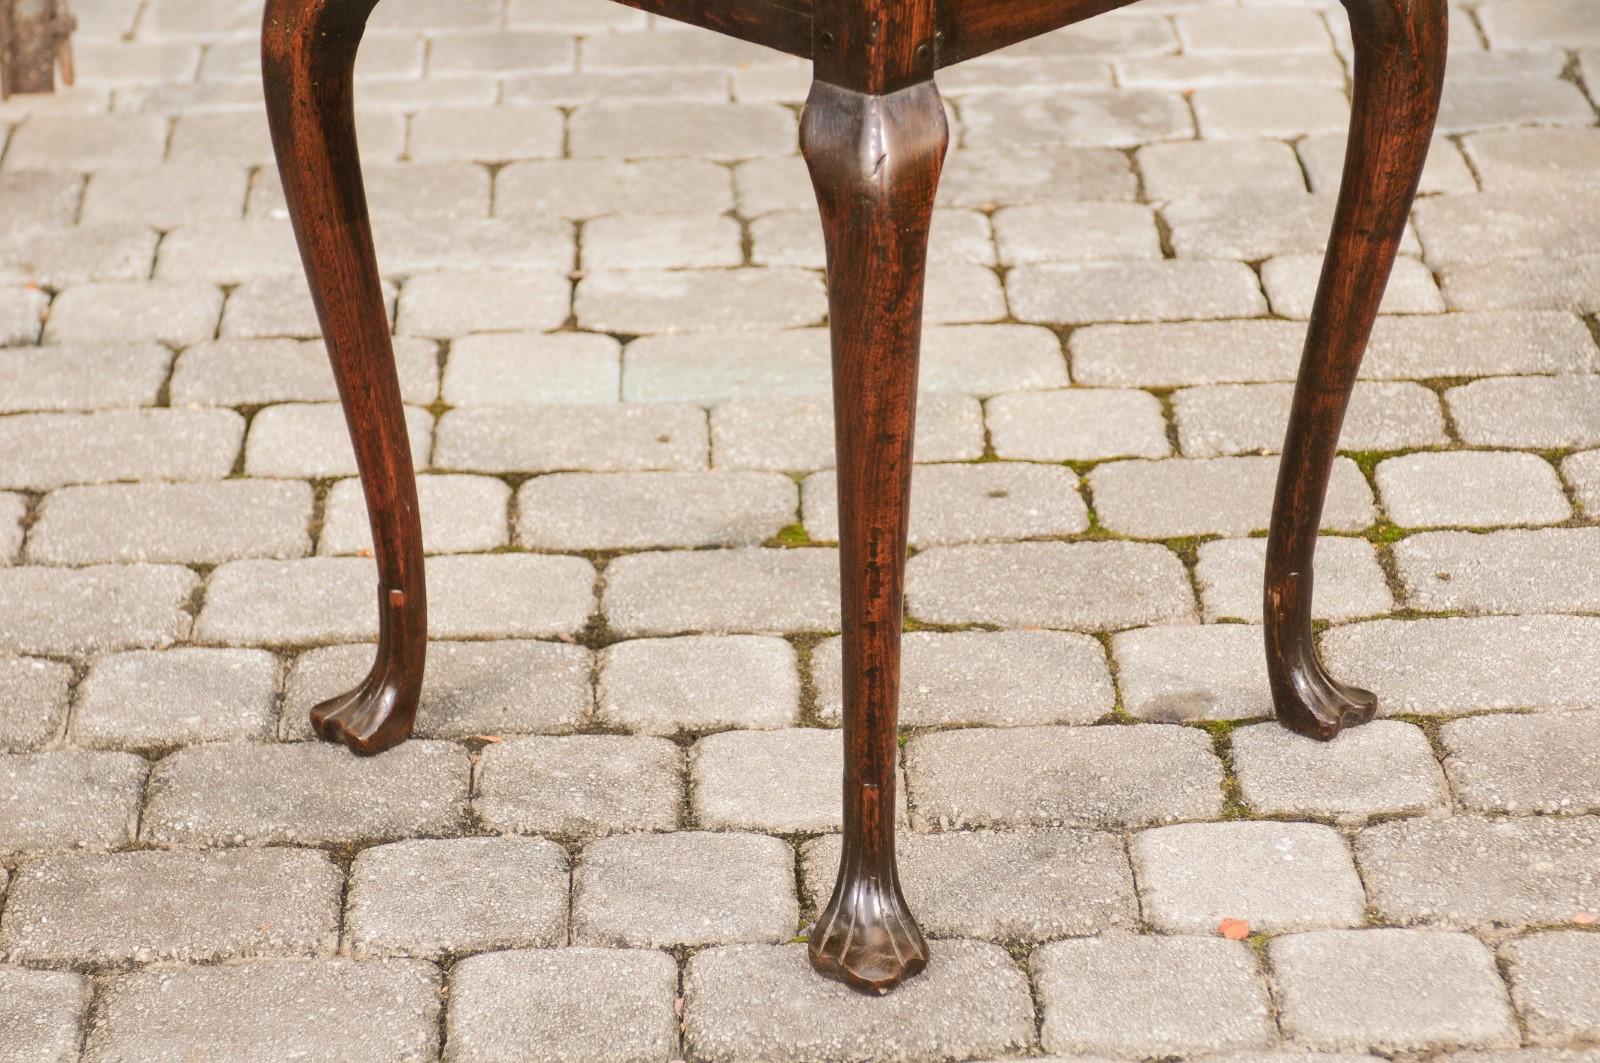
[(1382, 767), (117, 908), (720, 591), (790, 434), (82, 376), (1072, 425), (783, 781), (1519, 764), (1471, 489), (33, 701), (1278, 877), (433, 899), (1469, 872), (460, 514), (1553, 977), (616, 438), (582, 1005), (305, 792), (1251, 418), (996, 678), (685, 889), (580, 785), (699, 683), (635, 510), (505, 368), (1182, 673), (311, 441), (1172, 290), (98, 609), (41, 1014), (235, 1012), (1349, 581), (1007, 886), (1193, 995), (39, 451), (1062, 776), (761, 1002), (1547, 571), (67, 799), (160, 699), (1390, 990), (13, 509), (1213, 496), (260, 372)]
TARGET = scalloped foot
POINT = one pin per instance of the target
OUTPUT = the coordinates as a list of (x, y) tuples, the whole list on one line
[(867, 939), (369, 719), (1315, 704)]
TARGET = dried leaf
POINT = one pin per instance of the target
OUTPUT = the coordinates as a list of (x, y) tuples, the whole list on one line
[(1586, 918), (1234, 929), (677, 1007), (487, 738)]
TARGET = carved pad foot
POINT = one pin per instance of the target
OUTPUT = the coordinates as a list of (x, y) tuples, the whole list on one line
[(369, 719), (1313, 703), (867, 939)]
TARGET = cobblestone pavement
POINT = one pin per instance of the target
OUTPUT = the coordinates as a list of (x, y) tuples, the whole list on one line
[(620, 810)]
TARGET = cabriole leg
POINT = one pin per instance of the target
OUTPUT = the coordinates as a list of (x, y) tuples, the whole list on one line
[(1399, 70), (308, 49)]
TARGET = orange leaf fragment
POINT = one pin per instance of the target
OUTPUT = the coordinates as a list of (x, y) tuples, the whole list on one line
[(1586, 918), (1234, 929), (487, 738)]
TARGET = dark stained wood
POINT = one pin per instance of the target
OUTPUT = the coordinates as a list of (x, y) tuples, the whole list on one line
[(875, 164), (970, 28), (308, 48), (781, 24), (1399, 71), (34, 36)]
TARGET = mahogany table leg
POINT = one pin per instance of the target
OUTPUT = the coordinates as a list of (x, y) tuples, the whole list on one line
[(875, 163), (1399, 70), (308, 48)]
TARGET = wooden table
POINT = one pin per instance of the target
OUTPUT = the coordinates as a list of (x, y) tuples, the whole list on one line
[(874, 137)]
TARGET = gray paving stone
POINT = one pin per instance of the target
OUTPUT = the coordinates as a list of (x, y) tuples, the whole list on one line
[(1192, 995), (42, 1015), (1184, 673), (236, 1012), (148, 905), (272, 306), (304, 792), (260, 372), (228, 252), (439, 189), (1550, 570), (783, 782), (1278, 877), (995, 678), (573, 90), (1081, 294), (666, 241), (1538, 23), (967, 503), (573, 1005), (312, 441), (1185, 353), (147, 700), (1582, 471), (1534, 158), (460, 514), (1466, 664), (1077, 425), (486, 134), (314, 600), (1116, 119), (45, 197), (69, 799), (443, 305), (174, 312), (1201, 167), (1291, 284), (1212, 496), (742, 300), (1006, 886), (796, 433), (1553, 981), (1380, 768), (527, 367), (635, 510), (699, 683), (1454, 345), (58, 257), (1191, 71), (1068, 232), (587, 188), (434, 899), (1226, 419), (13, 508), (723, 132), (626, 437), (33, 702), (1250, 226), (1444, 172), (244, 140), (82, 376), (45, 450), (22, 313), (580, 785), (84, 142), (761, 1002), (1518, 764), (1473, 872), (1546, 412), (1349, 581), (1062, 776), (1224, 111), (1527, 1055), (473, 688), (721, 591), (469, 247), (47, 610), (1494, 225), (1473, 489), (1511, 101), (1093, 586), (195, 523), (685, 889), (975, 177), (1222, 31), (1390, 990), (1536, 284)]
